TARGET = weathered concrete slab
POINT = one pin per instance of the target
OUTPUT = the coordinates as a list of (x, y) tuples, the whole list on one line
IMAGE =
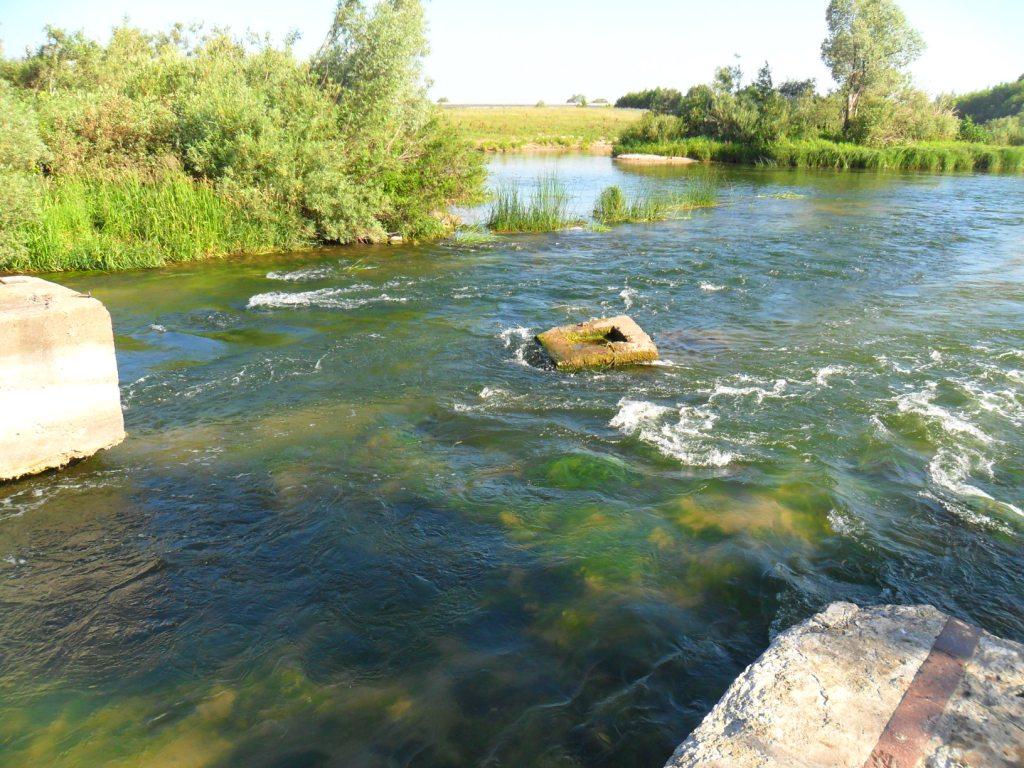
[(636, 158), (609, 341), (881, 687), (59, 398)]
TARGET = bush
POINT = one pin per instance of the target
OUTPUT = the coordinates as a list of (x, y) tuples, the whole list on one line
[(1006, 130), (21, 147), (344, 148), (907, 116), (971, 131)]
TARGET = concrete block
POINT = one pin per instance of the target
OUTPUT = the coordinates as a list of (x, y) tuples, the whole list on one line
[(880, 687), (609, 341), (59, 396)]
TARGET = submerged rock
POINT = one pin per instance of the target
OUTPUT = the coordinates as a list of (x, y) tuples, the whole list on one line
[(892, 686), (601, 343), (59, 398)]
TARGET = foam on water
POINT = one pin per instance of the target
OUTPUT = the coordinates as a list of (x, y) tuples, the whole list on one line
[(950, 469), (711, 287), (329, 298), (759, 393), (627, 295), (921, 403), (827, 372), (302, 275), (1005, 403), (511, 335), (681, 434)]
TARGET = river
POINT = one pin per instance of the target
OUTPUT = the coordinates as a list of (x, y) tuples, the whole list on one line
[(358, 522)]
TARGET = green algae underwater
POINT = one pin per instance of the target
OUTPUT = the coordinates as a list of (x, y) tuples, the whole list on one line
[(359, 521)]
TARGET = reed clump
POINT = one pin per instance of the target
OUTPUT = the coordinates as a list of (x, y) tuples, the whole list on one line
[(616, 207), (545, 209)]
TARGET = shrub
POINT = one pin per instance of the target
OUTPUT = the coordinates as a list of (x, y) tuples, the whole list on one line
[(971, 131), (344, 148), (1006, 130)]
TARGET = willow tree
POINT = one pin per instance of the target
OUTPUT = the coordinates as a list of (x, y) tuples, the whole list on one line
[(410, 164), (869, 46)]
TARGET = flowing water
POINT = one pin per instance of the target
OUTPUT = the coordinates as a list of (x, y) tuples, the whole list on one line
[(359, 522)]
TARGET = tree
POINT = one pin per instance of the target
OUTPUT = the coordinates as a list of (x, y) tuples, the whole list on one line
[(797, 89), (662, 101), (869, 46), (579, 99)]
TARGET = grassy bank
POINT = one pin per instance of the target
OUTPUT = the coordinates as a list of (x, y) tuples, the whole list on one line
[(519, 128), (81, 224), (939, 157)]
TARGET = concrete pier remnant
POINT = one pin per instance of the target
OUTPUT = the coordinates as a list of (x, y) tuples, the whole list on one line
[(59, 398), (608, 341), (880, 687)]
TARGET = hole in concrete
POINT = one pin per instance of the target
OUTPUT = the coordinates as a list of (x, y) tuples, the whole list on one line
[(615, 335)]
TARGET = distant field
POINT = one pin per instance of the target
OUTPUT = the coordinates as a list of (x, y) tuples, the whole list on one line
[(511, 128)]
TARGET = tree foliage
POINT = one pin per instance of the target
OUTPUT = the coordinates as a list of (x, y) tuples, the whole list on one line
[(1003, 100), (868, 48), (663, 101)]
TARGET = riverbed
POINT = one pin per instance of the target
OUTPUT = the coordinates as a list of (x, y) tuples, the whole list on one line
[(360, 521)]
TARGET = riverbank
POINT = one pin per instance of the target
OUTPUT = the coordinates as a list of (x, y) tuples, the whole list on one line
[(937, 157), (527, 129)]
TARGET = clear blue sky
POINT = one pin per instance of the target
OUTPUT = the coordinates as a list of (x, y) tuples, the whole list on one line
[(521, 51)]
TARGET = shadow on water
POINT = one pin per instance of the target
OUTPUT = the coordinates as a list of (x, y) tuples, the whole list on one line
[(356, 523)]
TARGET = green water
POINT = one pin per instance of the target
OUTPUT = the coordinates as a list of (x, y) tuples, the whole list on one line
[(358, 522)]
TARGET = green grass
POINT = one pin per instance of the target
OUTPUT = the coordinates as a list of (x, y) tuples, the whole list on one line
[(615, 207), (128, 224), (516, 128), (473, 235), (701, 193), (545, 210), (937, 157)]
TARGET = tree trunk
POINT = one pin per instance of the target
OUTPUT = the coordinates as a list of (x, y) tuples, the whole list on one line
[(850, 111)]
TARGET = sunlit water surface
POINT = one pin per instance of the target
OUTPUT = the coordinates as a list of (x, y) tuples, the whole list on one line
[(357, 522)]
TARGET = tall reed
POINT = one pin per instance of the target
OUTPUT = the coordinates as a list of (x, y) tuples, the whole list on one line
[(128, 224), (615, 207), (545, 210)]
